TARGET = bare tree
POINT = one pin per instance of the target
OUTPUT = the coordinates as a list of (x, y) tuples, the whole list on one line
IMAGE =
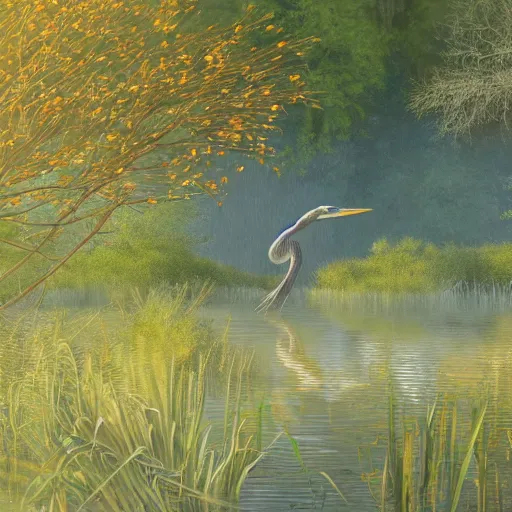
[(474, 86), (109, 103)]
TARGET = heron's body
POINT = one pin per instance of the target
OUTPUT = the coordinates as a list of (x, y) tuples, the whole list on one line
[(284, 249)]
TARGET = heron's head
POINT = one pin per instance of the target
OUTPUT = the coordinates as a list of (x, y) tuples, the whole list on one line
[(331, 212)]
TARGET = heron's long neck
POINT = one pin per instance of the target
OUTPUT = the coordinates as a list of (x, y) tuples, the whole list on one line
[(300, 224)]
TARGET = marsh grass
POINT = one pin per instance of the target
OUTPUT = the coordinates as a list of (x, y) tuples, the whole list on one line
[(117, 422), (414, 266), (439, 462)]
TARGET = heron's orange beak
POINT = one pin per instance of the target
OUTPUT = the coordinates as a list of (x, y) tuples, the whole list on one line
[(345, 212)]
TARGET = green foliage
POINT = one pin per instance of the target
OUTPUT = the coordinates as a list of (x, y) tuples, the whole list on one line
[(148, 249), (118, 424), (413, 266), (417, 34), (347, 65), (356, 55)]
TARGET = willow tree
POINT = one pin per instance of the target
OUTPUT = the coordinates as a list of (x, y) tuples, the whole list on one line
[(106, 104), (474, 85)]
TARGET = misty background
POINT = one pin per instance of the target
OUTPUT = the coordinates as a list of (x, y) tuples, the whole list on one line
[(420, 184)]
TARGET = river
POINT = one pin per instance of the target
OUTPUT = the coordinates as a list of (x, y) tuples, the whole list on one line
[(326, 368)]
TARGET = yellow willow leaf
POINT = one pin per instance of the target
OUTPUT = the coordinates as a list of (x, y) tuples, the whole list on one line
[(129, 186), (266, 92), (185, 183), (294, 78), (249, 136), (169, 28), (186, 168), (157, 22), (134, 88), (101, 59), (112, 136), (120, 170), (238, 28), (208, 58), (152, 201), (261, 161), (164, 44), (275, 169), (224, 91), (198, 175), (316, 40), (129, 124), (240, 168), (224, 179), (254, 48), (220, 153), (274, 107), (172, 176), (281, 44), (193, 151), (276, 58), (119, 102), (270, 27), (219, 203)]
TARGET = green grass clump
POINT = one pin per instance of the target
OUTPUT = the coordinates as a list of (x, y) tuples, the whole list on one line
[(115, 423), (414, 266), (144, 250)]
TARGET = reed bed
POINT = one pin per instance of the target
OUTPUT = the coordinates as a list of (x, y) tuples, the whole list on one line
[(460, 297), (117, 422), (441, 462)]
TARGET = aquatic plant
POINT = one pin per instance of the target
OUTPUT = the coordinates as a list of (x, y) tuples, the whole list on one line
[(430, 461), (117, 423)]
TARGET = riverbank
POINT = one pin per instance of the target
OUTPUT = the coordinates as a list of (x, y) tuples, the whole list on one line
[(415, 266)]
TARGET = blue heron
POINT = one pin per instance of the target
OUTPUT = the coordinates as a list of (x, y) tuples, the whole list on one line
[(284, 249)]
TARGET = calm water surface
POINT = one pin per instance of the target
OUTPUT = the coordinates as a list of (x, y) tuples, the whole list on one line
[(324, 371)]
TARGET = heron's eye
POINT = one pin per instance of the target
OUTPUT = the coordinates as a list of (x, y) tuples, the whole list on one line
[(333, 209)]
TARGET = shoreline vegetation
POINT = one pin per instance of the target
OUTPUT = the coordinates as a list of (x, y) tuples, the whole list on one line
[(95, 418), (413, 266)]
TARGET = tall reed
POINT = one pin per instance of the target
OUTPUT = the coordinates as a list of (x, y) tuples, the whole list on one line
[(118, 424)]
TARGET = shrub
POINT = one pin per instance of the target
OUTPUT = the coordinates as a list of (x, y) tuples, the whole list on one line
[(414, 266)]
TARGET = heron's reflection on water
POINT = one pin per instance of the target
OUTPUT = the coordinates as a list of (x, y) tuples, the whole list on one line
[(311, 374)]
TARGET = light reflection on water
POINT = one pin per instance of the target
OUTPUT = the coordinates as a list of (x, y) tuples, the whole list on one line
[(325, 371)]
